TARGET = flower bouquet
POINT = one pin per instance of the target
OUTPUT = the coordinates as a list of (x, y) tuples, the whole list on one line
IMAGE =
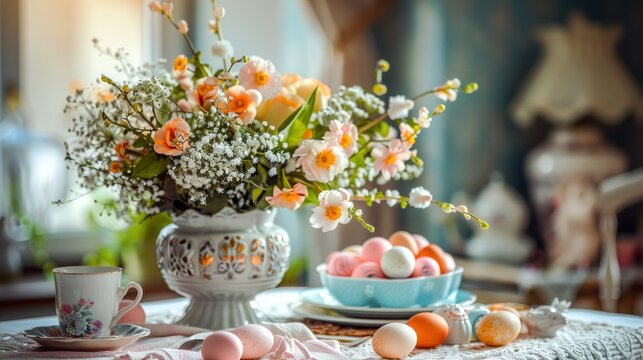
[(245, 137)]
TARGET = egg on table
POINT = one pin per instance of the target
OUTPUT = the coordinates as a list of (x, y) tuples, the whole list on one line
[(343, 264), (431, 329), (368, 270), (221, 345), (459, 325), (498, 328), (374, 248), (256, 340), (398, 262), (394, 340), (426, 266), (405, 239)]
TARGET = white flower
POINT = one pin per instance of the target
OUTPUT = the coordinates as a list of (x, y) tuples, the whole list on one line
[(344, 134), (392, 193), (219, 12), (423, 119), (407, 134), (447, 91), (453, 83), (321, 160), (420, 197), (334, 208), (261, 75), (168, 7), (183, 27), (399, 106), (222, 49)]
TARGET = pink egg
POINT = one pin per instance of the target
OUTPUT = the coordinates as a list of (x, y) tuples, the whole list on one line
[(256, 340), (420, 240), (449, 261), (221, 345), (134, 316), (368, 270), (374, 248), (426, 266), (343, 264), (331, 256)]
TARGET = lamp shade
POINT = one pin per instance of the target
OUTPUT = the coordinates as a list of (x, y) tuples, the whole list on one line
[(579, 74)]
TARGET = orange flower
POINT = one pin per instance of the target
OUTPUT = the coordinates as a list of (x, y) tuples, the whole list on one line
[(121, 149), (288, 198), (206, 92), (180, 63), (172, 138), (242, 102), (115, 167)]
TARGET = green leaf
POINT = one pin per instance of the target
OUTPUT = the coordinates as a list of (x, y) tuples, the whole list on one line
[(142, 141), (382, 128), (164, 113), (149, 166), (256, 194), (297, 123), (215, 203)]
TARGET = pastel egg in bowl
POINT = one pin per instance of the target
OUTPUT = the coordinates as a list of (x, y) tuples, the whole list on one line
[(393, 293)]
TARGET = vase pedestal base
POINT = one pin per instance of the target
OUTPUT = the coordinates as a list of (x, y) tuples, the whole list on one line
[(218, 314)]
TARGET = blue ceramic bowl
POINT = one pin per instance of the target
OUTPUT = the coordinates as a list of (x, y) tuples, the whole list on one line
[(394, 293)]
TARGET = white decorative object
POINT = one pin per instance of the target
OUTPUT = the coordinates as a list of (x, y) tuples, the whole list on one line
[(221, 262), (579, 74), (460, 330), (507, 213), (87, 299), (546, 320)]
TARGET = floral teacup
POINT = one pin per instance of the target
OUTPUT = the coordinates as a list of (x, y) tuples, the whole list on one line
[(87, 299)]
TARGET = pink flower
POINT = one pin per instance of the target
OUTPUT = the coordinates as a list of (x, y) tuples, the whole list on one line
[(290, 199), (344, 134), (390, 159), (321, 160), (184, 105), (82, 302), (66, 309)]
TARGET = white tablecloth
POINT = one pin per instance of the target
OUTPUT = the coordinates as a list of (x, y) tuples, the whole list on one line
[(591, 334)]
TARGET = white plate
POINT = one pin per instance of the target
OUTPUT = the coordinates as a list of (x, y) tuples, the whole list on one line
[(51, 338), (320, 297), (316, 313)]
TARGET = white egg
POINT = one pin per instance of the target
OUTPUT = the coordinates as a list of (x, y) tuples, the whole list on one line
[(398, 262), (394, 340)]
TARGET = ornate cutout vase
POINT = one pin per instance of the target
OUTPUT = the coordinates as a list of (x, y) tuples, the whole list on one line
[(221, 262)]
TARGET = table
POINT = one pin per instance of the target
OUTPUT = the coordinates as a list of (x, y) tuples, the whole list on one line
[(276, 304)]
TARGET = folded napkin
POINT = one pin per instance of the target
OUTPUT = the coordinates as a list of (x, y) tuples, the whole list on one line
[(292, 341)]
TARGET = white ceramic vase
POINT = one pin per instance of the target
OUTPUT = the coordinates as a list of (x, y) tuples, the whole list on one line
[(221, 262)]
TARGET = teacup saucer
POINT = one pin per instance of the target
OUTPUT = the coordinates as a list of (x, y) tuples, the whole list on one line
[(51, 338)]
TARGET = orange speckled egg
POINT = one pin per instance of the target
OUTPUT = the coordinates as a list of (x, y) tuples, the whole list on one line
[(134, 316), (430, 328), (498, 328), (403, 238), (435, 252)]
